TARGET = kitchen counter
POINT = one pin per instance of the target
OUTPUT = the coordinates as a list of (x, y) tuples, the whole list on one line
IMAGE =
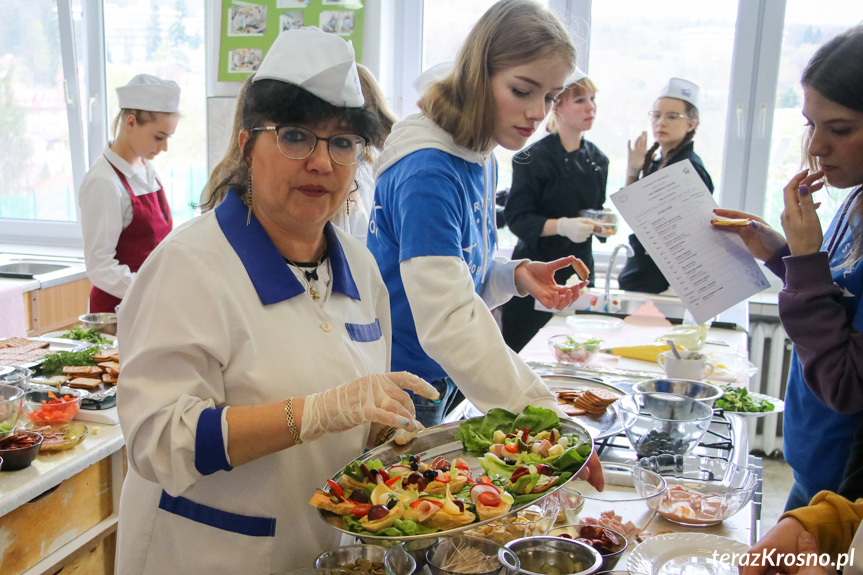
[(61, 512)]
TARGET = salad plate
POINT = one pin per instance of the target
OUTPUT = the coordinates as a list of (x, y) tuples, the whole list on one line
[(442, 441), (683, 553), (778, 404)]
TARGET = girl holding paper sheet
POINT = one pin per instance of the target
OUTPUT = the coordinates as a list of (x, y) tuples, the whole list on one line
[(820, 303), (674, 118)]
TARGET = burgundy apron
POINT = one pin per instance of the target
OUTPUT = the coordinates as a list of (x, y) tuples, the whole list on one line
[(151, 222)]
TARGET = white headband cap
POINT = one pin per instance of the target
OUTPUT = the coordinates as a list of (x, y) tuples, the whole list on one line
[(577, 76), (317, 62), (682, 90), (149, 93), (432, 76)]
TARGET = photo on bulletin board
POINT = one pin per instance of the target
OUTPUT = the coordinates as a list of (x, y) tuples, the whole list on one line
[(249, 28)]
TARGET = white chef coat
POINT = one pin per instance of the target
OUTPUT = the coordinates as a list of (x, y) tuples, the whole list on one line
[(106, 210), (216, 318)]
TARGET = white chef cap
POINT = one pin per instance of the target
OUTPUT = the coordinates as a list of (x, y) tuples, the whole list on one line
[(577, 75), (320, 63), (149, 93), (432, 76), (682, 90)]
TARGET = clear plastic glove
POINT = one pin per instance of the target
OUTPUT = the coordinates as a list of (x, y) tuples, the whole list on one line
[(636, 154), (377, 398), (578, 230)]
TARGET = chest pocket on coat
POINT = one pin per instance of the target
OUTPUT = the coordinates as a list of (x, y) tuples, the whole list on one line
[(365, 332)]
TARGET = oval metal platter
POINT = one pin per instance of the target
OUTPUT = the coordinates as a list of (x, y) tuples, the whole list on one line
[(430, 443)]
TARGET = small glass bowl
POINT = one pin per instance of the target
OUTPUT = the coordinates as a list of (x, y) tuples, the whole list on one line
[(528, 522), (575, 348), (657, 423), (44, 407), (628, 503), (701, 490), (11, 398)]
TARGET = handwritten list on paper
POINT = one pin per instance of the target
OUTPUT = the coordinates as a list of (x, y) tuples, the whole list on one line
[(670, 212)]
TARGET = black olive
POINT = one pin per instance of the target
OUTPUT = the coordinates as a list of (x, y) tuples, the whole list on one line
[(413, 459), (360, 496), (430, 474), (392, 502), (543, 469), (374, 472), (509, 461), (414, 466)]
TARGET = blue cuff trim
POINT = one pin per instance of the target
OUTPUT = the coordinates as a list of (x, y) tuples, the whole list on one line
[(365, 332), (224, 520), (209, 445)]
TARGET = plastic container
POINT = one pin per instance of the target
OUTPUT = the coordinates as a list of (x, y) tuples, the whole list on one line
[(575, 348), (607, 222), (44, 407)]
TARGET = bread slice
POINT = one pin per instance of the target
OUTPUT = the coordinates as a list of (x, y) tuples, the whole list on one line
[(580, 269), (83, 370), (85, 383)]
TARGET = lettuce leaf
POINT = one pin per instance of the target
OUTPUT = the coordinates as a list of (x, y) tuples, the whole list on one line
[(477, 435)]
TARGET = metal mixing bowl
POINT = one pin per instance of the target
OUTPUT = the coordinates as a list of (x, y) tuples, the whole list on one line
[(539, 555), (101, 322), (700, 391)]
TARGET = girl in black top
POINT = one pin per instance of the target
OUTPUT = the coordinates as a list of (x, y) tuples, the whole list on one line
[(674, 119), (552, 182)]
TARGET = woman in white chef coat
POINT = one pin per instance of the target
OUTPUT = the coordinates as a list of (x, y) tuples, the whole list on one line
[(256, 340), (124, 209)]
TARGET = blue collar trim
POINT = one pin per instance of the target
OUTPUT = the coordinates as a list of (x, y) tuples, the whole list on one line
[(267, 270)]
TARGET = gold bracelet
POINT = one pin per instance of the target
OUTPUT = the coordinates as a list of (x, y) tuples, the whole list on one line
[(289, 418), (384, 435)]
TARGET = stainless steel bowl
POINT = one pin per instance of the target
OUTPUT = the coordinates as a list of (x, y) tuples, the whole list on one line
[(566, 556), (340, 557), (101, 322), (18, 376), (700, 391)]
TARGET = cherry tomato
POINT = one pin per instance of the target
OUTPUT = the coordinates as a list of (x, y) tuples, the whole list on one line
[(489, 499), (361, 509)]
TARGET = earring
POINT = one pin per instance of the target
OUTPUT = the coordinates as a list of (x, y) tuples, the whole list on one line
[(350, 197), (248, 200)]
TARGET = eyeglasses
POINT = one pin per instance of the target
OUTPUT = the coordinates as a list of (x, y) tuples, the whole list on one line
[(299, 143), (670, 116)]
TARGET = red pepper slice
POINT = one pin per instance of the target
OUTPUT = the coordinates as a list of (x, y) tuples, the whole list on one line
[(416, 503), (511, 447), (463, 466), (443, 477), (361, 509), (485, 479), (392, 480), (337, 489)]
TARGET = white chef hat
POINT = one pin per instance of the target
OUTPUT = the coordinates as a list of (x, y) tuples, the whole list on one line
[(149, 93), (432, 76), (320, 63), (682, 90), (577, 75)]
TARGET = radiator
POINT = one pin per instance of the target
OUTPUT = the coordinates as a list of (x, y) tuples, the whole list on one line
[(770, 351)]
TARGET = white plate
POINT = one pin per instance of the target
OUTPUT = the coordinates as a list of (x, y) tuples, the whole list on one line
[(592, 323), (57, 334), (686, 554), (778, 406)]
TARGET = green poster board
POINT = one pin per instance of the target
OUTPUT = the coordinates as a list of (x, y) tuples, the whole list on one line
[(249, 28)]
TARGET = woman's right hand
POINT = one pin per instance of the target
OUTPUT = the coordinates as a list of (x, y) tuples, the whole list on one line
[(762, 241), (637, 153), (377, 398)]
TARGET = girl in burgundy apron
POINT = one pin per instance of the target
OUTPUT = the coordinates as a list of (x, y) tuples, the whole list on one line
[(123, 206)]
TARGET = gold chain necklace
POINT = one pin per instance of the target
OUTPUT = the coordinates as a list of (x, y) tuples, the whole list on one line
[(311, 275)]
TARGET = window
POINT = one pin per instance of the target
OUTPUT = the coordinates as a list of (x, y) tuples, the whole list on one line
[(807, 26), (168, 43), (36, 163)]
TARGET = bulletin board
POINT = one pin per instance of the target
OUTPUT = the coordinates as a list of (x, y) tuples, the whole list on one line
[(249, 28)]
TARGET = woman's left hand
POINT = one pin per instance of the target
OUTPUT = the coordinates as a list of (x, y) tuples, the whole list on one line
[(799, 218), (537, 279)]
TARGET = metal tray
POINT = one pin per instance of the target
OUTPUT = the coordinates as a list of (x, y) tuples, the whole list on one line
[(430, 443)]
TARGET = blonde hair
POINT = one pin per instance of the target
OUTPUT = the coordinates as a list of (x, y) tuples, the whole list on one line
[(141, 116), (376, 103), (510, 33), (573, 91), (213, 194)]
